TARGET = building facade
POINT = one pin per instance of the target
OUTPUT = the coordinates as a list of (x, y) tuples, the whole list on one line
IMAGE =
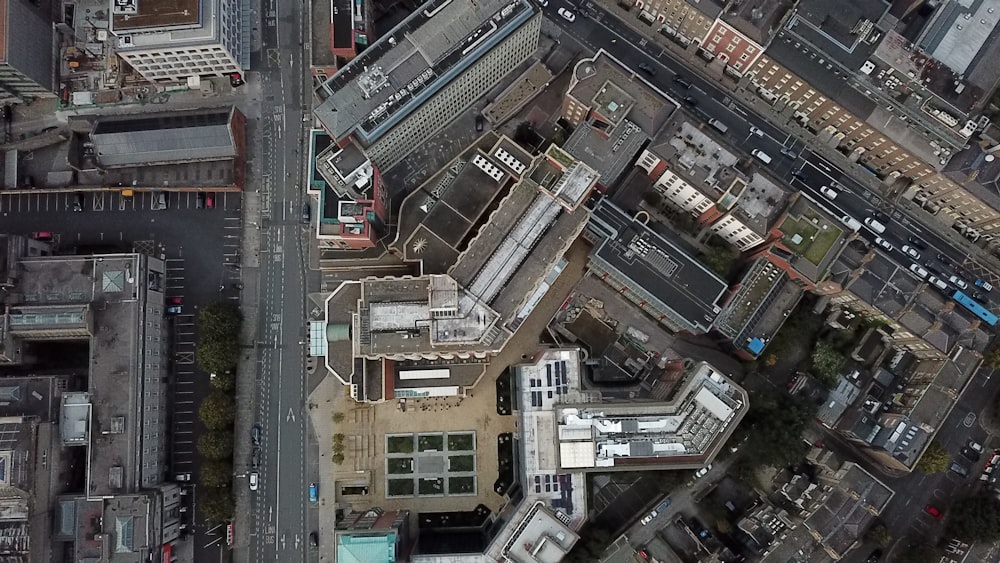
[(28, 51), (424, 73), (206, 38)]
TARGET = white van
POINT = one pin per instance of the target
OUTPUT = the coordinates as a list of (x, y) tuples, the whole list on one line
[(720, 126), (761, 156), (938, 283), (874, 225), (851, 223)]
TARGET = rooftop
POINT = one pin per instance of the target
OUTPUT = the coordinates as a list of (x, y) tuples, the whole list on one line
[(540, 537), (657, 266), (960, 30), (757, 19), (684, 433), (846, 513), (616, 93), (164, 138), (141, 15), (415, 59), (759, 307), (814, 237)]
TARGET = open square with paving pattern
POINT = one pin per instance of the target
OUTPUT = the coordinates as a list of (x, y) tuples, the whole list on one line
[(430, 464)]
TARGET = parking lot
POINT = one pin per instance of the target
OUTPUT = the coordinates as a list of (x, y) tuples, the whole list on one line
[(201, 247), (113, 201)]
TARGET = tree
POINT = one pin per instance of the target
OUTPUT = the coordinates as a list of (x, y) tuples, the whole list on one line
[(219, 321), (719, 259), (975, 519), (915, 550), (337, 458), (224, 381), (217, 355), (216, 505), (338, 417), (878, 534), (935, 458), (217, 411), (827, 362), (216, 445), (215, 473), (992, 359), (773, 431)]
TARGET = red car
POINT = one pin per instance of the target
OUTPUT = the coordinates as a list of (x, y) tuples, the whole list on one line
[(933, 511), (210, 200), (642, 553), (42, 235)]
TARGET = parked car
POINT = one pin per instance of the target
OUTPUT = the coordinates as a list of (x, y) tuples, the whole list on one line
[(480, 122), (959, 282), (756, 131), (970, 454), (958, 469), (314, 493), (648, 518), (254, 481), (209, 200), (912, 252), (984, 284), (306, 213), (884, 244), (183, 477), (875, 225), (976, 446), (874, 557), (255, 458), (44, 236), (567, 15), (174, 310), (919, 270), (701, 472), (663, 505), (313, 539), (648, 69), (161, 200), (789, 153), (933, 511), (917, 242), (255, 434), (78, 201), (199, 200), (828, 192)]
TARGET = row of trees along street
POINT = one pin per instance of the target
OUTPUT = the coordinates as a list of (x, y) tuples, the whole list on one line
[(217, 354)]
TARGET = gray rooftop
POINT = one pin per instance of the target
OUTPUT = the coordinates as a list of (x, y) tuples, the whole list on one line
[(418, 57), (617, 92), (657, 266), (164, 138), (960, 30)]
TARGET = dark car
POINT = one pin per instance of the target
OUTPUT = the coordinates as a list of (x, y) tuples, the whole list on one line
[(78, 201), (691, 101), (970, 454), (959, 469), (255, 434), (647, 69), (306, 214), (480, 122), (681, 82), (917, 242), (255, 458), (313, 539), (874, 557)]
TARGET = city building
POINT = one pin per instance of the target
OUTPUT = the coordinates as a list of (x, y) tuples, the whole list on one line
[(352, 203), (29, 47), (423, 73), (686, 432), (682, 21), (614, 111), (932, 349), (181, 40), (829, 509), (649, 269), (374, 536), (166, 150), (693, 173), (742, 32), (340, 29), (377, 326)]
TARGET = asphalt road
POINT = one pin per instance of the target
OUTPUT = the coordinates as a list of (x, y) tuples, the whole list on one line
[(748, 131), (282, 516), (809, 172)]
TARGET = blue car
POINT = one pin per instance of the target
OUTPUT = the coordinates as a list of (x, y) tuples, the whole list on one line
[(314, 493)]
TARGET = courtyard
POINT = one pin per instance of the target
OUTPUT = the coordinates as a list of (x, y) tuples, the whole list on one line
[(430, 464)]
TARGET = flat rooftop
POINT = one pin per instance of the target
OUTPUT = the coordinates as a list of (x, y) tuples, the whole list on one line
[(144, 15), (617, 92), (164, 138), (814, 237), (960, 30), (540, 537), (757, 19), (759, 307), (686, 432), (419, 56), (657, 265)]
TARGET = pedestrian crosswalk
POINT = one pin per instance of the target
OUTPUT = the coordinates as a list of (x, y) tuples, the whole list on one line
[(113, 201)]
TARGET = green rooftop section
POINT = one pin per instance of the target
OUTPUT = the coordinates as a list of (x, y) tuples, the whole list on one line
[(809, 235), (366, 548)]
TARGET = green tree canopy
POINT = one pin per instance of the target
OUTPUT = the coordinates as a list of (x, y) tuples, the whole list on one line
[(827, 361), (878, 534), (773, 430), (915, 550), (219, 321), (216, 505), (217, 355), (992, 359), (217, 411), (224, 381), (935, 459), (215, 473), (216, 445), (975, 519)]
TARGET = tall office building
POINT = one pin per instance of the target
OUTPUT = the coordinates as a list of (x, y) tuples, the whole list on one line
[(425, 72), (176, 40), (27, 51)]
